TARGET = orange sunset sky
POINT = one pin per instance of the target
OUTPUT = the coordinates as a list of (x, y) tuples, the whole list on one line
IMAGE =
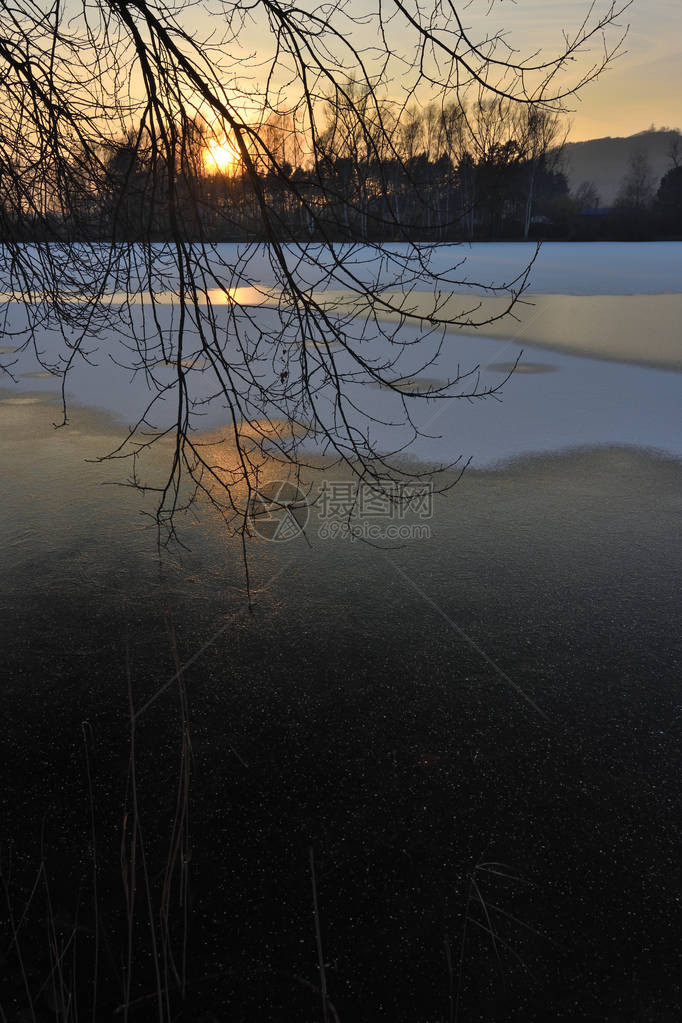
[(642, 87)]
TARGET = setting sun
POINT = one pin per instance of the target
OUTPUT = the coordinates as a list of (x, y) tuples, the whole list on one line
[(221, 156)]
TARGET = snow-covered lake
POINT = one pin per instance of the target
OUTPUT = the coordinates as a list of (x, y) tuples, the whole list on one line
[(600, 336)]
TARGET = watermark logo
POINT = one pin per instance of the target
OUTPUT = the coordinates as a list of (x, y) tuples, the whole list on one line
[(385, 512), (389, 511), (388, 499), (279, 511)]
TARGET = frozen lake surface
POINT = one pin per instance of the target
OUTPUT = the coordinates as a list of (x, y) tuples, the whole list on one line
[(476, 732), (601, 341)]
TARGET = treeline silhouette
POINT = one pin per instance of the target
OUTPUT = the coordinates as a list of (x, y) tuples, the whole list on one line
[(645, 209), (436, 174)]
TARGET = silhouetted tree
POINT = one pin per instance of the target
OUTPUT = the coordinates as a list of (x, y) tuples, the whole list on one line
[(637, 187), (635, 198), (539, 131), (106, 110), (669, 201), (587, 197)]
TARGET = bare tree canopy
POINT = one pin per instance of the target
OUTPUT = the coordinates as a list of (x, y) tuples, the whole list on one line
[(135, 136)]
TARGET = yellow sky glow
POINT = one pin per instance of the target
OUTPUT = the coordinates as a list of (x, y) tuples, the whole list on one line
[(221, 156), (643, 86)]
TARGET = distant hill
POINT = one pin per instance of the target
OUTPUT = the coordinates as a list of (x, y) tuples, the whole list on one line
[(604, 162)]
